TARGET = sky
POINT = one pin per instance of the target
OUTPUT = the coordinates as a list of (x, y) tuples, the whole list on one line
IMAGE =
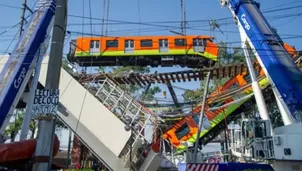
[(165, 14)]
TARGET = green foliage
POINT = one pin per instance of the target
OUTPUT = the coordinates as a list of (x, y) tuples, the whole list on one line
[(229, 55), (238, 55), (192, 95), (149, 95), (127, 69), (124, 71), (275, 114), (224, 56), (15, 126), (60, 124), (101, 69)]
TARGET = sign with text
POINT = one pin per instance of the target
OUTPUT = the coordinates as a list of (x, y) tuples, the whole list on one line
[(45, 102)]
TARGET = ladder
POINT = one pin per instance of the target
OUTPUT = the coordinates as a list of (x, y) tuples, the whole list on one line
[(124, 106)]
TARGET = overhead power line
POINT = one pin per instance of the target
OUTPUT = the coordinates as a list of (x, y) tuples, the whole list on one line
[(10, 6), (153, 24), (282, 9), (202, 20)]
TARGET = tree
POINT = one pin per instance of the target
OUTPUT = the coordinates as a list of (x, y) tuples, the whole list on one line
[(15, 126), (227, 56), (124, 71), (224, 56), (149, 95), (192, 95), (133, 90), (60, 124), (275, 114)]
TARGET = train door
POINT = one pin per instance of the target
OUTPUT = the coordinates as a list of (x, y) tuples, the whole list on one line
[(129, 46), (198, 45), (94, 47), (163, 45)]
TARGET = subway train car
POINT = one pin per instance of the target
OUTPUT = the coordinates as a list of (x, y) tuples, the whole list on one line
[(190, 51), (186, 129)]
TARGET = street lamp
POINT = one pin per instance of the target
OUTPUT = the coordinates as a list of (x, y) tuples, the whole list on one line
[(131, 125)]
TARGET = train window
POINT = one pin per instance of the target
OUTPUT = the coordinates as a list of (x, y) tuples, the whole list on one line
[(94, 44), (146, 43), (216, 104), (196, 119), (129, 43), (247, 76), (111, 43), (163, 43), (182, 131), (235, 85), (180, 42), (209, 39), (198, 42)]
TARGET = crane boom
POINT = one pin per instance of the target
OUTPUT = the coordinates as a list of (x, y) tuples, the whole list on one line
[(21, 63), (283, 73)]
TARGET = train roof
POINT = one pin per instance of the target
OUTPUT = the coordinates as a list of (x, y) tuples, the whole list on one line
[(149, 36)]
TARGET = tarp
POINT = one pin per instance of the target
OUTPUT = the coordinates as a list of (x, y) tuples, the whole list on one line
[(22, 150)]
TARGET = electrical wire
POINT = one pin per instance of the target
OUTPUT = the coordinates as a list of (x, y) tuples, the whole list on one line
[(14, 38), (282, 9), (284, 4), (155, 23), (10, 6), (86, 92), (166, 28), (6, 51)]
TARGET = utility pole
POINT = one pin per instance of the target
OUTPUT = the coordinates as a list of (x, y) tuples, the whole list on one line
[(69, 149), (204, 98), (182, 16), (105, 6), (45, 138), (24, 8), (107, 17), (22, 17)]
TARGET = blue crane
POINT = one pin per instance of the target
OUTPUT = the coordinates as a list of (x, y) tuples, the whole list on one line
[(283, 73), (21, 63)]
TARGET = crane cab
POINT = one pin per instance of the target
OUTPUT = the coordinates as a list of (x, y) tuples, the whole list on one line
[(252, 139)]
